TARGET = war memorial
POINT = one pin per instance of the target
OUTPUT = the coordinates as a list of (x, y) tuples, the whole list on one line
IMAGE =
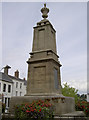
[(44, 77)]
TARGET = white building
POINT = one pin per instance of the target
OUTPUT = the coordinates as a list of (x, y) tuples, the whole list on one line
[(19, 86), (11, 86), (5, 88), (87, 97)]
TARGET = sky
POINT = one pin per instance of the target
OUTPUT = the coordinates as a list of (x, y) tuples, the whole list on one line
[(70, 22)]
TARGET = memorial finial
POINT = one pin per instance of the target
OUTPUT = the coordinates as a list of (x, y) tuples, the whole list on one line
[(44, 11), (45, 5)]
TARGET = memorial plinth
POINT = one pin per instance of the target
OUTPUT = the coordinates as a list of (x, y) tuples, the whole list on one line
[(44, 79)]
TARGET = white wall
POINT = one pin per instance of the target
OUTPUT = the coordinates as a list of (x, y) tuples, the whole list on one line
[(88, 97), (13, 89), (1, 87), (22, 89), (6, 94)]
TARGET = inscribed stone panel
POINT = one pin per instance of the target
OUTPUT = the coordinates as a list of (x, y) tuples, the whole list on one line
[(41, 39), (56, 78), (39, 77)]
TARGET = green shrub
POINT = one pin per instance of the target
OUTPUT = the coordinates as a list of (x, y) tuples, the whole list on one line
[(37, 109), (83, 106), (69, 91)]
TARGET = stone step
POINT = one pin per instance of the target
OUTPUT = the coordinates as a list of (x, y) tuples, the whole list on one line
[(70, 118), (76, 115)]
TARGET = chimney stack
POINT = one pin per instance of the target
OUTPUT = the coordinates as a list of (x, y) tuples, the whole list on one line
[(17, 74), (6, 68)]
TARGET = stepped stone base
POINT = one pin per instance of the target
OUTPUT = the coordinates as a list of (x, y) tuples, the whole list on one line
[(62, 104), (74, 114), (12, 117)]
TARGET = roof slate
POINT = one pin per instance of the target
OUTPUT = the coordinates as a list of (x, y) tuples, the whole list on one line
[(8, 78), (5, 77), (18, 79)]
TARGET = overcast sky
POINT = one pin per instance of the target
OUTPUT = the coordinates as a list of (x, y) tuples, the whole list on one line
[(70, 22)]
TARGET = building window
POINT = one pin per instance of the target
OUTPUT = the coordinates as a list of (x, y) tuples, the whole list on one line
[(5, 101), (16, 84), (0, 86), (9, 88), (16, 93), (20, 93), (20, 85), (8, 102), (4, 87)]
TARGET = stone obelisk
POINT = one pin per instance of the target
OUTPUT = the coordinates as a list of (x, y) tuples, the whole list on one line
[(43, 64)]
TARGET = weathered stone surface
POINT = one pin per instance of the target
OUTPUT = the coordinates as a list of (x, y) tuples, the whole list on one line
[(41, 77), (43, 62), (60, 102), (75, 113)]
